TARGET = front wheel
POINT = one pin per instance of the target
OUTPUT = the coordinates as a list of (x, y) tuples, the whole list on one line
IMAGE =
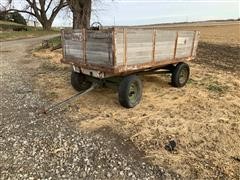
[(130, 91), (180, 75), (79, 82)]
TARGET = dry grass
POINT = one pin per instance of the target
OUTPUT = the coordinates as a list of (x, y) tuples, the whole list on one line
[(55, 56), (219, 34), (203, 117)]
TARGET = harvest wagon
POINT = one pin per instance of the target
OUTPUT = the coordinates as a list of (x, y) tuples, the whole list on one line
[(116, 56)]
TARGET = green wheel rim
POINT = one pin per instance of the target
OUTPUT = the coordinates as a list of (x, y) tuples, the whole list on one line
[(183, 76), (133, 92)]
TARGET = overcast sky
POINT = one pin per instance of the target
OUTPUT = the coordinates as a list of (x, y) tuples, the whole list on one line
[(136, 12)]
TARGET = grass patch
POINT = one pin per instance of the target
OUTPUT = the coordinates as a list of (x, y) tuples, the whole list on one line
[(47, 65), (55, 41), (53, 95), (13, 31), (52, 43), (217, 88), (192, 81), (24, 34)]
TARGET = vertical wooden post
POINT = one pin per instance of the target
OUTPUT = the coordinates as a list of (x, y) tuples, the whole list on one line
[(114, 63), (154, 45), (63, 43), (84, 44), (193, 43), (125, 46), (175, 48)]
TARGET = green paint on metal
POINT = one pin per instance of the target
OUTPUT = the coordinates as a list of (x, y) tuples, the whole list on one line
[(183, 76), (133, 92)]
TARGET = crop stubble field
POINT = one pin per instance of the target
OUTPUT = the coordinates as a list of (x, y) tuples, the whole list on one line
[(203, 117)]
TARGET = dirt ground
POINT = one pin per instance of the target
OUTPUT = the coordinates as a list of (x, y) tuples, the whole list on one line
[(203, 117), (34, 145)]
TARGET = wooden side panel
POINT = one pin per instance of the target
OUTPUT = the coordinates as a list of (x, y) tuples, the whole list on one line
[(195, 45), (73, 46), (99, 48), (165, 44), (184, 44), (119, 48), (139, 46), (73, 49), (129, 49)]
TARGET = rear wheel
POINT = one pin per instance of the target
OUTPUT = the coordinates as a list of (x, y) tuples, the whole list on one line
[(79, 81), (180, 75), (130, 91)]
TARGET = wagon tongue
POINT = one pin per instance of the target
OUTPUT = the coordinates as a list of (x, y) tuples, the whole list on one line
[(67, 101)]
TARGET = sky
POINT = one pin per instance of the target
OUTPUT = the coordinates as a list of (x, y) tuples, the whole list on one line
[(138, 12), (142, 12)]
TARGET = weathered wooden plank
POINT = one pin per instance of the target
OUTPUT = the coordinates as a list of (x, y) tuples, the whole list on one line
[(74, 52), (99, 35), (119, 48), (184, 46), (72, 58), (142, 44), (99, 47), (98, 53), (74, 36), (196, 44), (139, 45), (139, 53), (73, 48), (139, 31), (137, 48), (100, 59), (165, 44), (107, 41), (70, 42), (139, 60)]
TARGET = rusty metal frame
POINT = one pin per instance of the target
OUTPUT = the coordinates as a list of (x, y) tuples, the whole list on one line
[(122, 70)]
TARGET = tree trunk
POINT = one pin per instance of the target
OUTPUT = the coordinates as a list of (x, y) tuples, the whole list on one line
[(47, 25), (81, 10), (77, 19)]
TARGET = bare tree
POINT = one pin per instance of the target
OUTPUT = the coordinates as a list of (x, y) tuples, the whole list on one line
[(81, 10), (44, 10)]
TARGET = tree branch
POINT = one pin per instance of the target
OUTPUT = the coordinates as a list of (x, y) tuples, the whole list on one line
[(55, 11), (21, 11), (49, 4)]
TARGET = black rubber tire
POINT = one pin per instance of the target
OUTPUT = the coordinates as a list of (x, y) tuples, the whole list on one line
[(177, 75), (124, 90), (79, 82)]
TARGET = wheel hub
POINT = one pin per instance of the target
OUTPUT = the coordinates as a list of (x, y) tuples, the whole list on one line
[(133, 91), (183, 76)]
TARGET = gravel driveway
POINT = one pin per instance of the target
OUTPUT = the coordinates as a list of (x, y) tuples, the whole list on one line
[(34, 146)]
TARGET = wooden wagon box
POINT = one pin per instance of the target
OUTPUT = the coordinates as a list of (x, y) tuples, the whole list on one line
[(121, 51)]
